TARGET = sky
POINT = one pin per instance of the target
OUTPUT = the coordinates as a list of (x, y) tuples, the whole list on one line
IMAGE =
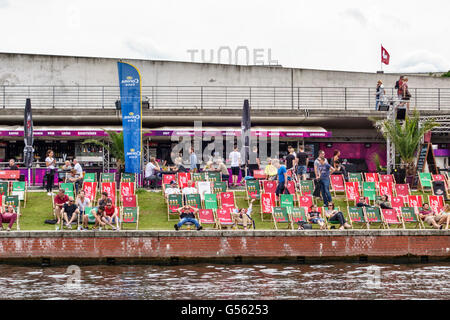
[(327, 34)]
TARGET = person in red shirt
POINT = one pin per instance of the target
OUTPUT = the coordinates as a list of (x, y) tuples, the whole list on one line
[(111, 215), (59, 201)]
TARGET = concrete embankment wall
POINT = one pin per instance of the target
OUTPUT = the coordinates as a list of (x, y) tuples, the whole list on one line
[(223, 246)]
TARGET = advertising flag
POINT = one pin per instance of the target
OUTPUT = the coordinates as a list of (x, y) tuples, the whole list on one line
[(246, 127), (385, 56), (131, 105)]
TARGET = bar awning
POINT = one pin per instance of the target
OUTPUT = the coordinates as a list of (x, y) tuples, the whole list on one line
[(88, 131)]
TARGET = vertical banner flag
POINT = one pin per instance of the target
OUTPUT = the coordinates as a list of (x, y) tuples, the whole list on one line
[(246, 126), (131, 105), (28, 135), (385, 56)]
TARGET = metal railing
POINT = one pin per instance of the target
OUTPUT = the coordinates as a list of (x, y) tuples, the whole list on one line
[(217, 97)]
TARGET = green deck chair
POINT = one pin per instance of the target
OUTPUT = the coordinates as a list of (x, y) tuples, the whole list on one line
[(356, 216), (129, 215), (373, 215), (253, 189), (194, 200), (19, 188), (287, 201), (90, 177), (214, 176), (4, 188), (355, 177), (409, 216), (298, 214), (107, 177), (15, 202), (128, 177), (280, 215), (370, 190), (174, 201), (425, 180), (306, 187), (69, 189), (198, 176), (220, 186), (211, 201)]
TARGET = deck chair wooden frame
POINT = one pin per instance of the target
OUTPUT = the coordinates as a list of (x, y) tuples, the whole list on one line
[(329, 223), (15, 202), (415, 201), (227, 200), (337, 183), (298, 214), (357, 215), (252, 190), (129, 215), (224, 218), (20, 188), (280, 215), (268, 201), (373, 216), (194, 200), (425, 180), (392, 217), (409, 215), (174, 201), (210, 201), (207, 217)]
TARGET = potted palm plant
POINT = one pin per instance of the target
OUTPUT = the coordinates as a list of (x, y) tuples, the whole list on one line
[(406, 136)]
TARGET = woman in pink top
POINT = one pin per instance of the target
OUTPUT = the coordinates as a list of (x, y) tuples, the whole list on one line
[(9, 217)]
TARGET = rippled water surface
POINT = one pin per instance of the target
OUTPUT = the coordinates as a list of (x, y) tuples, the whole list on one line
[(277, 281)]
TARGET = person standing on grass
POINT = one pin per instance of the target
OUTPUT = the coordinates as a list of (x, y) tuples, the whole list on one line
[(235, 158), (50, 163), (10, 216), (302, 163), (282, 177), (70, 212), (324, 169)]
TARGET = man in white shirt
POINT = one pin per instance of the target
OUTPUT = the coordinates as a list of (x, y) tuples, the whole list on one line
[(77, 166), (190, 189), (151, 170), (172, 189), (235, 158)]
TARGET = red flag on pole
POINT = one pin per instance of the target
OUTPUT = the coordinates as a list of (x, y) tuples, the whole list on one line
[(385, 56)]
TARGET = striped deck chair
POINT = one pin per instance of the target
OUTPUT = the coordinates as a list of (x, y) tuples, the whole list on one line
[(213, 176), (198, 176), (357, 216), (370, 190), (174, 201), (224, 217), (19, 188), (69, 189), (110, 189), (305, 201), (414, 201), (436, 203), (219, 186), (392, 217), (402, 190), (90, 177), (409, 215), (4, 188), (280, 215), (14, 201), (329, 223), (287, 201), (337, 183), (130, 201), (193, 200), (126, 189), (107, 177), (259, 175), (352, 191), (386, 188), (203, 187), (373, 216), (210, 201), (253, 189), (183, 179), (425, 181), (387, 178), (90, 190), (206, 217), (129, 215), (306, 187), (298, 214), (355, 177), (267, 204), (397, 203), (292, 189), (227, 200)]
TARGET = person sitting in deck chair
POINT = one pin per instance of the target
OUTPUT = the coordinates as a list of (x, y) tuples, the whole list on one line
[(75, 178), (172, 188), (445, 216), (314, 217), (99, 213), (111, 215), (10, 216), (243, 216), (59, 201), (187, 215), (427, 216), (384, 202), (362, 202), (334, 215), (103, 199), (70, 212), (82, 202)]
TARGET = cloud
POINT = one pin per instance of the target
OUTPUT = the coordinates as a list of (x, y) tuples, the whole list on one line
[(422, 61), (144, 48), (356, 15), (4, 4)]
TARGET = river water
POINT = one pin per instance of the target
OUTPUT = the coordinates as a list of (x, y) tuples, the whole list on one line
[(203, 281)]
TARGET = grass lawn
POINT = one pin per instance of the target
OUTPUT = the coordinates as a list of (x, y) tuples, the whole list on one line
[(153, 212)]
